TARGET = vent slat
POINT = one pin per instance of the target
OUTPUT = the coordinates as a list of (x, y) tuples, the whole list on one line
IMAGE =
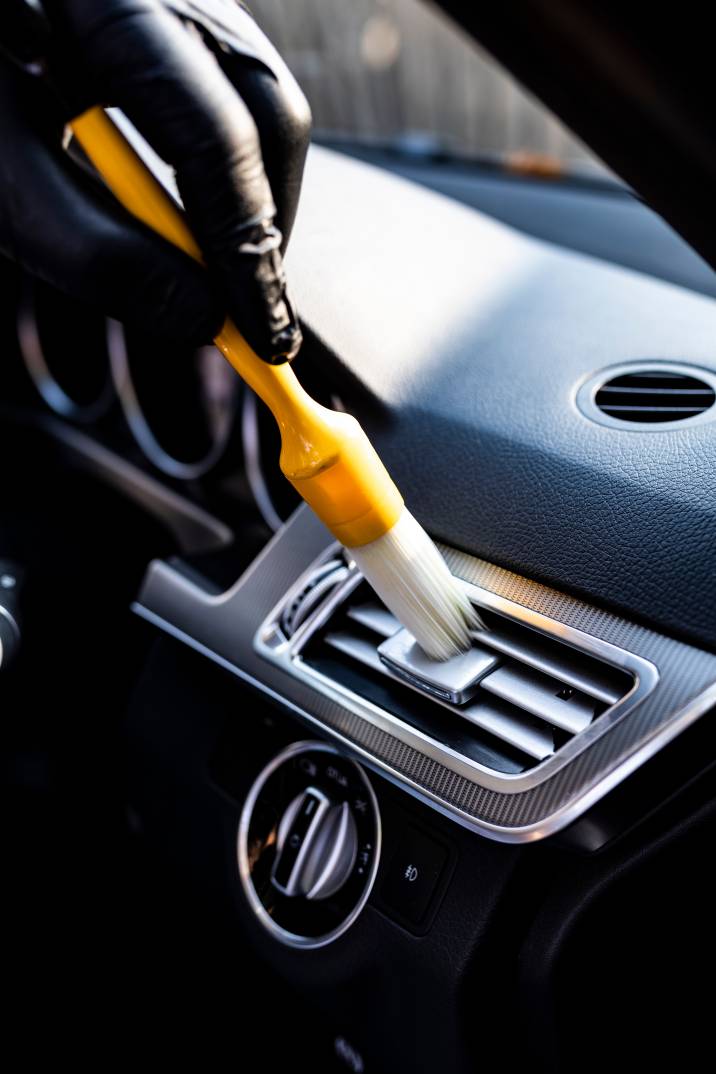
[(357, 649), (669, 380), (569, 666), (538, 695), (610, 389), (647, 397), (374, 617), (511, 727), (535, 740), (656, 409), (543, 692)]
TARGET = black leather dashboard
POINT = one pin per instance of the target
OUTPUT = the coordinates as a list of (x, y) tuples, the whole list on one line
[(472, 339)]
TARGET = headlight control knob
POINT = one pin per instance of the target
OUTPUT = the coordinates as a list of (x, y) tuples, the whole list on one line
[(309, 844), (317, 846)]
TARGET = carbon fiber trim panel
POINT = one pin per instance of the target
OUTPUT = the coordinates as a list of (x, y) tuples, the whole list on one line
[(505, 808)]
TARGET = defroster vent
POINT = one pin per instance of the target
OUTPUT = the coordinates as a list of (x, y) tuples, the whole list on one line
[(655, 396), (651, 395)]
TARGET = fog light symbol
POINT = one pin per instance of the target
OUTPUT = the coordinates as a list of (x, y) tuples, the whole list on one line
[(411, 874)]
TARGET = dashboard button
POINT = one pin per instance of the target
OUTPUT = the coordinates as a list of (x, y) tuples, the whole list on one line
[(413, 875)]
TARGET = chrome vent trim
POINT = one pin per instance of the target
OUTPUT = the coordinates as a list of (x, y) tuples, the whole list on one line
[(546, 699)]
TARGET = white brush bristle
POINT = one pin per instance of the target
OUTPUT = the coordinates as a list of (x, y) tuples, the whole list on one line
[(413, 580)]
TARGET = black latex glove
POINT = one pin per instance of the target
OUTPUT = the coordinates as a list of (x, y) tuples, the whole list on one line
[(214, 99)]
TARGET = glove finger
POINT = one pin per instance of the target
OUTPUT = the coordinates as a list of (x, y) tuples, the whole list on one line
[(283, 120), (140, 57), (275, 100)]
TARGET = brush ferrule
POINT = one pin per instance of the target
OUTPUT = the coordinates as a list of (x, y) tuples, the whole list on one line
[(352, 494)]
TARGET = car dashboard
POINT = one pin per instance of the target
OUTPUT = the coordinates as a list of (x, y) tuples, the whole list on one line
[(415, 867)]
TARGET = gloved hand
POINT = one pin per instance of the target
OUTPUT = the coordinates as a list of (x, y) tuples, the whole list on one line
[(212, 96)]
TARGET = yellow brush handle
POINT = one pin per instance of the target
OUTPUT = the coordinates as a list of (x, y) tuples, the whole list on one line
[(324, 454)]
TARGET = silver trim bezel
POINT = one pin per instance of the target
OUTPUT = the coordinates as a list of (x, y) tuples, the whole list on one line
[(45, 381), (141, 428), (13, 637), (290, 939), (286, 654)]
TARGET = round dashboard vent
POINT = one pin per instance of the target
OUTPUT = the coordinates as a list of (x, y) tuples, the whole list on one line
[(649, 395), (655, 397)]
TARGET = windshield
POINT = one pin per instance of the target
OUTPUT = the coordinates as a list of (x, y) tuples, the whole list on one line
[(399, 74)]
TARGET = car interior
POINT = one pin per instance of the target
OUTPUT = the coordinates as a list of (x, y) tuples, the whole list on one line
[(242, 819)]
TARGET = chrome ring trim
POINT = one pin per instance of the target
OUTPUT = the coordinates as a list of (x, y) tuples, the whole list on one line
[(11, 621), (33, 356), (14, 638), (291, 939), (585, 397), (252, 462), (140, 428)]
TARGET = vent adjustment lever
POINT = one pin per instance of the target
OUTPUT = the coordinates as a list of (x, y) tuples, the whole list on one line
[(454, 680)]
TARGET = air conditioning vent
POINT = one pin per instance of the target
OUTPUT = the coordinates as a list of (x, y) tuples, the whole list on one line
[(651, 396), (528, 696), (316, 588)]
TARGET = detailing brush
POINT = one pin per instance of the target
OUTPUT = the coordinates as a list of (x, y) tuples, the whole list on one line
[(324, 454)]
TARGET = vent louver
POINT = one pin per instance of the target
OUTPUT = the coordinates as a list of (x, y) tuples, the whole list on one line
[(322, 581), (535, 694), (652, 395)]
